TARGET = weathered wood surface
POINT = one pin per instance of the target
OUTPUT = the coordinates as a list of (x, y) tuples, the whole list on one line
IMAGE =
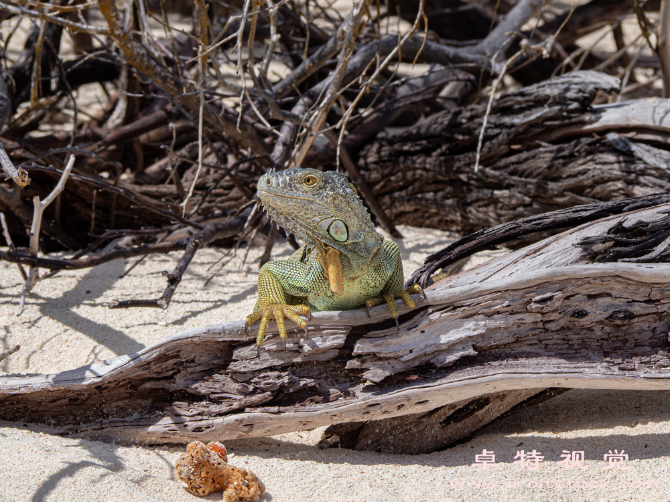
[(545, 148), (427, 431), (542, 316)]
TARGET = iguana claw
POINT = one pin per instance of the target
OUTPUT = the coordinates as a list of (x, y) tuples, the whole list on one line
[(390, 300), (277, 311)]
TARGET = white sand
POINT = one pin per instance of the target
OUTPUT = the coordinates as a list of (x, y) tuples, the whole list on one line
[(66, 325)]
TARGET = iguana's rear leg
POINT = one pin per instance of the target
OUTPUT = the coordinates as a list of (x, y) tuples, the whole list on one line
[(391, 297), (278, 281)]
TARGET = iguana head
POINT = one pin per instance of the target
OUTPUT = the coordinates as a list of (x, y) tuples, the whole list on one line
[(322, 208)]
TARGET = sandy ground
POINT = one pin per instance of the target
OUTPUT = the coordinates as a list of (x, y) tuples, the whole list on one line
[(66, 324)]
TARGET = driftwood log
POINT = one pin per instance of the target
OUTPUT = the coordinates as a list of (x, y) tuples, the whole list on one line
[(556, 314)]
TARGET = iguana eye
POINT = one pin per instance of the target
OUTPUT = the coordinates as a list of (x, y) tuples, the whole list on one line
[(309, 180)]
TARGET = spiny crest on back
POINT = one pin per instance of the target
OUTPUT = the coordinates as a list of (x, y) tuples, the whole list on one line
[(320, 208)]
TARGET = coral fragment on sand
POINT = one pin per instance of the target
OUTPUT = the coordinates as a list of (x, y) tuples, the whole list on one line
[(205, 470)]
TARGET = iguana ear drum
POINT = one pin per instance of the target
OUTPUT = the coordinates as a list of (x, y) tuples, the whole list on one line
[(338, 231)]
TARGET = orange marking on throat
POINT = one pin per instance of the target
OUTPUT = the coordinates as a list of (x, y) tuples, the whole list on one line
[(332, 267)]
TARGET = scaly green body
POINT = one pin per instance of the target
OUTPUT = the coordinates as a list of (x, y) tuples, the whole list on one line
[(344, 264)]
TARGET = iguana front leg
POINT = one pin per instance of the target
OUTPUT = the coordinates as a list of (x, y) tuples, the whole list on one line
[(278, 282), (391, 297), (394, 287)]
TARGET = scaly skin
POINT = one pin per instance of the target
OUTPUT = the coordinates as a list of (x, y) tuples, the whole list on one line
[(344, 264)]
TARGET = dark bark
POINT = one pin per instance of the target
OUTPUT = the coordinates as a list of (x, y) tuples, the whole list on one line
[(22, 70), (489, 238), (539, 154)]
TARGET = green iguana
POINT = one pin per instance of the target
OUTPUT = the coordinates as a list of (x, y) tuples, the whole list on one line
[(344, 264)]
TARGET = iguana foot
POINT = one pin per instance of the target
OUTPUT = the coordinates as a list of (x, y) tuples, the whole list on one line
[(277, 311), (390, 300)]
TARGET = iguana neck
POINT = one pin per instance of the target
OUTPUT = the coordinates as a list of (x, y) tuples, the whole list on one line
[(354, 264)]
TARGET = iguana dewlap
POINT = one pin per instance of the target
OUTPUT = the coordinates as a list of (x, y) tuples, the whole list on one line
[(344, 264)]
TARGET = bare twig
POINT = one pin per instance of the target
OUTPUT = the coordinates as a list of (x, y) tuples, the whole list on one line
[(664, 45), (10, 244), (36, 80), (494, 89), (8, 352), (39, 207), (201, 112)]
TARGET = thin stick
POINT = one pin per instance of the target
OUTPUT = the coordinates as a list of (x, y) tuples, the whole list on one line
[(95, 196), (36, 80), (10, 244), (664, 45), (184, 204), (8, 352), (39, 207), (488, 107)]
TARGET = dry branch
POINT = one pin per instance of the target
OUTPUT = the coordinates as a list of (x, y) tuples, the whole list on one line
[(8, 352), (664, 46), (38, 212)]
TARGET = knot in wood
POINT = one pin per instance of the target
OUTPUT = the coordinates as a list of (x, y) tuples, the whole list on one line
[(548, 302), (621, 315)]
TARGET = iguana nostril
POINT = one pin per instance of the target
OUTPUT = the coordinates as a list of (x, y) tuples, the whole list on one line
[(268, 182)]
